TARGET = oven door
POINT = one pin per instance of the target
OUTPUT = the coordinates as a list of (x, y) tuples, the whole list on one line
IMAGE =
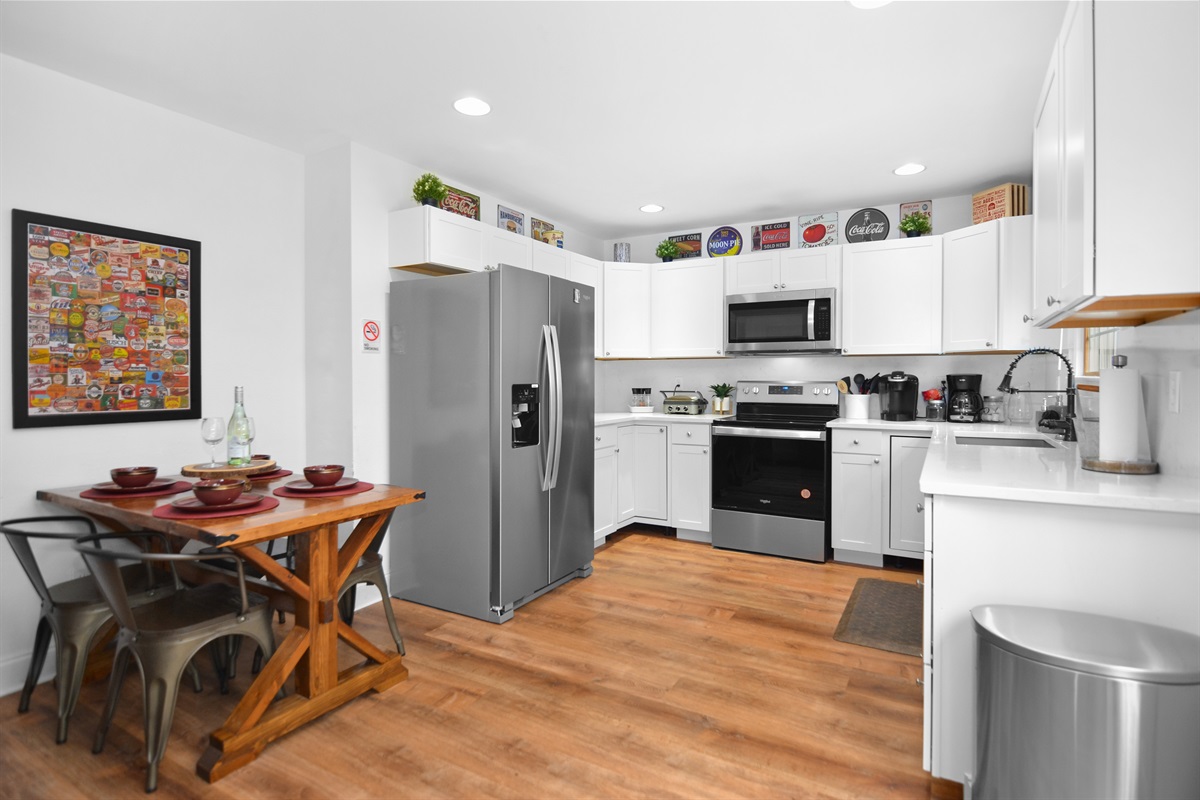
[(781, 322), (780, 472)]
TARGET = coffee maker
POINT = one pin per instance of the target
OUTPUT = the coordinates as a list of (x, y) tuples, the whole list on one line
[(898, 397), (965, 403)]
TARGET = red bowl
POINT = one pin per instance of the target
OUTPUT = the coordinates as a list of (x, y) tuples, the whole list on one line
[(218, 491), (324, 474), (133, 477)]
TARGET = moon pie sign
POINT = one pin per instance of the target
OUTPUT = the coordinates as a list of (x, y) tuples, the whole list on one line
[(724, 242), (867, 225)]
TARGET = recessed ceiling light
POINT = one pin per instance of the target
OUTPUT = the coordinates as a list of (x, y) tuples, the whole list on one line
[(472, 107), (909, 169), (652, 208)]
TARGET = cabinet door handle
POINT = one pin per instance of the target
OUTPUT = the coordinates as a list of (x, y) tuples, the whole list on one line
[(920, 507), (718, 352), (1026, 318), (662, 430), (987, 344), (597, 438), (689, 433), (783, 286), (920, 681), (608, 354), (1050, 300), (856, 441), (920, 583), (877, 461), (705, 452)]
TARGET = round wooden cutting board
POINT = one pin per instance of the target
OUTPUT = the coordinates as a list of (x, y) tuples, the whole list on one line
[(226, 471)]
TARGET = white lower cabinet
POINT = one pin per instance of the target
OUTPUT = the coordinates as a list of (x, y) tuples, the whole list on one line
[(907, 518), (691, 481), (877, 505), (657, 473)]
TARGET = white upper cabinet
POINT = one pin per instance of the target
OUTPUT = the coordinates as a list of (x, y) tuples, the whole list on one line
[(551, 260), (433, 241), (987, 274), (590, 272), (810, 268), (892, 297), (784, 270), (1115, 126), (502, 247), (626, 310), (686, 306)]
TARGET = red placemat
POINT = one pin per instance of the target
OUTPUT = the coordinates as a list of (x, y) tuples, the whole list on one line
[(361, 486), (170, 512), (270, 476), (174, 488)]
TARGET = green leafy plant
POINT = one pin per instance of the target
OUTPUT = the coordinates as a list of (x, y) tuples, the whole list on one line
[(721, 389), (916, 222), (429, 187), (667, 249)]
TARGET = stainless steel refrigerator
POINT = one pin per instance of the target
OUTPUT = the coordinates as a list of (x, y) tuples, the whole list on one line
[(491, 413)]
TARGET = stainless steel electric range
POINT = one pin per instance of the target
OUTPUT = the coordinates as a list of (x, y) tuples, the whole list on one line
[(770, 470)]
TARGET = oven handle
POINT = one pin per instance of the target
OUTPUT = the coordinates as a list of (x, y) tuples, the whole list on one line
[(769, 433)]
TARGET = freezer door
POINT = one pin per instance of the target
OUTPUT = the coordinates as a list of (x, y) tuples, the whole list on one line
[(572, 314), (520, 546)]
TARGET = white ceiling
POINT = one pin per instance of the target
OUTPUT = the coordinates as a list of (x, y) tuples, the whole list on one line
[(719, 111)]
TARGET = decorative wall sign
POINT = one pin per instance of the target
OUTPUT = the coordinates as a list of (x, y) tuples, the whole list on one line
[(817, 230), (459, 202), (539, 228), (106, 323), (509, 220), (724, 242), (924, 206), (867, 225), (689, 245), (771, 236)]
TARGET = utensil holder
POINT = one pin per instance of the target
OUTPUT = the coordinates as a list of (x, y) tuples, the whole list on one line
[(856, 406)]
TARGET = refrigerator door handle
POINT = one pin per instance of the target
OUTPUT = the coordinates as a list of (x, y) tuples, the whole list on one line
[(551, 384), (556, 389)]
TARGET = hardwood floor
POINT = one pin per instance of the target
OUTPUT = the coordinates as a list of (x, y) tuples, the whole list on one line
[(675, 670)]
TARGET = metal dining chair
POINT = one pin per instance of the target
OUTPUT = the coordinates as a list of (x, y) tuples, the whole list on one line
[(73, 612), (163, 637)]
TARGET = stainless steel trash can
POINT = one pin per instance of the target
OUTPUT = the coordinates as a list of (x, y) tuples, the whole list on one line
[(1073, 705)]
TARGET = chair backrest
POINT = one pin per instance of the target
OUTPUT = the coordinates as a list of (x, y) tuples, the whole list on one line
[(18, 532), (105, 569)]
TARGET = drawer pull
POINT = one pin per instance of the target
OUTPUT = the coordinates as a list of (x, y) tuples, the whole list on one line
[(920, 507), (856, 441), (689, 433), (877, 461)]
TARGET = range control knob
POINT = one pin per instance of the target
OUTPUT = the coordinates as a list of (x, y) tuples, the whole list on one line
[(745, 390), (756, 390), (826, 390), (816, 390)]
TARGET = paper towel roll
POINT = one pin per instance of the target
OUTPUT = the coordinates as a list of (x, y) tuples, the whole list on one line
[(1120, 414)]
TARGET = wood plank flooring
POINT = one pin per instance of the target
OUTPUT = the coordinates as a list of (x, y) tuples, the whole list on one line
[(674, 671)]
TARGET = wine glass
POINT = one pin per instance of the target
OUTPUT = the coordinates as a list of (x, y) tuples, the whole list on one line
[(251, 432), (212, 429)]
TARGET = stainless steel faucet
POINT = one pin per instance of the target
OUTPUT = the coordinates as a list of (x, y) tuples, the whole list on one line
[(1067, 426)]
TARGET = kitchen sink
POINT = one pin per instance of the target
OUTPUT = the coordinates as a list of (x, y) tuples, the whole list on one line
[(1004, 440)]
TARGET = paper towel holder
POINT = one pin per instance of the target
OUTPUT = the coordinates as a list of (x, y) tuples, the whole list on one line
[(1090, 437)]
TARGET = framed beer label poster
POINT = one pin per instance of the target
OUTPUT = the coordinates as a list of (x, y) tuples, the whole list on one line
[(106, 323)]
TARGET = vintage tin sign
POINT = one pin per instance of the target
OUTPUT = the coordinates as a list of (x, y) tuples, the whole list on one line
[(724, 242)]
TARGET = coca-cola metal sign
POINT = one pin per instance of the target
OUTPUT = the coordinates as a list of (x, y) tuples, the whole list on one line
[(867, 225)]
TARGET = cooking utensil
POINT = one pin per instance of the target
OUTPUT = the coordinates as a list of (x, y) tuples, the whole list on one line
[(843, 387), (872, 384), (858, 383)]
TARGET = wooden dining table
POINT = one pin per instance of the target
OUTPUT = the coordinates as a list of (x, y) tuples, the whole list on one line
[(309, 651)]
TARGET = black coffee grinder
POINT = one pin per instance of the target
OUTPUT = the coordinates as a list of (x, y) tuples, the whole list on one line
[(965, 403), (898, 396)]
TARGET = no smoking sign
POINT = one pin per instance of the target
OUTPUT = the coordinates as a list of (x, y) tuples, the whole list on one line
[(370, 336)]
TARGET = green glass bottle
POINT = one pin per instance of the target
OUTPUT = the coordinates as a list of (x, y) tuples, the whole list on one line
[(238, 433)]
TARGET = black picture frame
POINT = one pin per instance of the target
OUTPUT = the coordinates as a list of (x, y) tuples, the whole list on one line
[(78, 288)]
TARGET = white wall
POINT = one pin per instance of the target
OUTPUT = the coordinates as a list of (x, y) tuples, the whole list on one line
[(103, 157), (949, 214)]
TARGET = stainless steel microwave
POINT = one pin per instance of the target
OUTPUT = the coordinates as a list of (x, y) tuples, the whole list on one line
[(774, 323)]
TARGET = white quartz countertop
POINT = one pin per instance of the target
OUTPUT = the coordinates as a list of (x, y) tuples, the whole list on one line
[(615, 417), (1034, 475)]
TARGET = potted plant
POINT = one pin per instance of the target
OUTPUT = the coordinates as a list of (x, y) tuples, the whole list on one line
[(916, 223), (429, 190), (722, 402), (667, 250)]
